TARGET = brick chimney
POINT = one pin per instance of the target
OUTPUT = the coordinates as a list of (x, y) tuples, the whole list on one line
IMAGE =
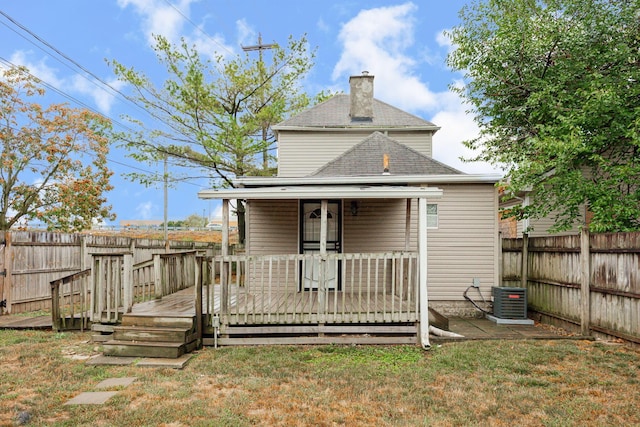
[(361, 95)]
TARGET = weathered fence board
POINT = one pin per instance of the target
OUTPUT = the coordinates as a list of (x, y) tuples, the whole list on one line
[(594, 283)]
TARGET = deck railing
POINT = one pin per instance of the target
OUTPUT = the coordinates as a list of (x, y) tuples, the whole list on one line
[(270, 289), (112, 284), (70, 301)]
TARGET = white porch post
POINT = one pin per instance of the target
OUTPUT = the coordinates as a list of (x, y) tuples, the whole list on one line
[(322, 274), (422, 279), (224, 273)]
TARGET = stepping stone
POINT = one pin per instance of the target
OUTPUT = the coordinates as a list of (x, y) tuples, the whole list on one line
[(116, 382), (111, 360), (160, 362), (92, 398)]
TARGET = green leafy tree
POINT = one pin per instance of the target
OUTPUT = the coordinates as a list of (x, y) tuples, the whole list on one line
[(213, 111), (195, 220), (53, 164), (555, 89)]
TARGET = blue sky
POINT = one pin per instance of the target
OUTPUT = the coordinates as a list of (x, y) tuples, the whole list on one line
[(400, 43)]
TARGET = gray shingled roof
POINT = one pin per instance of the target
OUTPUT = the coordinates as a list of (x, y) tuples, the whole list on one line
[(366, 159), (334, 112)]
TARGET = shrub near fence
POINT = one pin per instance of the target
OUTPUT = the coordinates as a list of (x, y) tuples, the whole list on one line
[(30, 260), (590, 282)]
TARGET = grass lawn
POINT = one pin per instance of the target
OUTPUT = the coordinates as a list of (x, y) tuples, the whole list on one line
[(496, 383)]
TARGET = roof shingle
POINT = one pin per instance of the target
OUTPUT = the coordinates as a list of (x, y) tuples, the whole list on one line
[(334, 112), (366, 159)]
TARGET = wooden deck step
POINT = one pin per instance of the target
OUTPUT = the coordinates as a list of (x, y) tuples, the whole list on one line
[(145, 335), (153, 334), (170, 350), (164, 321)]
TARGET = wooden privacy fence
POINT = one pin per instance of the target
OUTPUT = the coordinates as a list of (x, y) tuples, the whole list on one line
[(269, 289), (588, 280), (31, 260), (112, 284)]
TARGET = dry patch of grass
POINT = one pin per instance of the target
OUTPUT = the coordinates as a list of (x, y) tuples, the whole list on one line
[(496, 383), (213, 236)]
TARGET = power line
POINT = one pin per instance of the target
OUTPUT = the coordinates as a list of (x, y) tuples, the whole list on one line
[(62, 93), (66, 57), (197, 27)]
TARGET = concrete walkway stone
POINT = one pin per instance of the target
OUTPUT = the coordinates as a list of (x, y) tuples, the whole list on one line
[(158, 362), (115, 382), (100, 397), (110, 360), (92, 398)]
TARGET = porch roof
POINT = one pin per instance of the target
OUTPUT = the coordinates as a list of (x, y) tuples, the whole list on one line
[(380, 179), (323, 192)]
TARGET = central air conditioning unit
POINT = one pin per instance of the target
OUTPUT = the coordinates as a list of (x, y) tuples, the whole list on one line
[(509, 303)]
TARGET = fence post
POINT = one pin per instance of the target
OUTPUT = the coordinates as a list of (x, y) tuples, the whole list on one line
[(524, 268), (8, 271), (585, 283)]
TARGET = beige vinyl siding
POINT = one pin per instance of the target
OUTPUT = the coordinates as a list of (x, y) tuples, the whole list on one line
[(379, 226), (273, 227), (465, 244), (463, 247), (301, 153), (272, 230)]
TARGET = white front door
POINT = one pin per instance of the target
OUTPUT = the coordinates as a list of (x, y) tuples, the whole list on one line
[(310, 243)]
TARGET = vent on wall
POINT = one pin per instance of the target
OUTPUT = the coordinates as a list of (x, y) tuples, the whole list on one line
[(509, 303)]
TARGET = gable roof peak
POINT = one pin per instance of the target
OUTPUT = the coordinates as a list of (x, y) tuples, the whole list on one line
[(378, 154)]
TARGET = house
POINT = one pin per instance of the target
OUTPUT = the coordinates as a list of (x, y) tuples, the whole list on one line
[(511, 227), (361, 229)]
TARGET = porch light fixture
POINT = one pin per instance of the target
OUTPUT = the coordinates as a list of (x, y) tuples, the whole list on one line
[(354, 208)]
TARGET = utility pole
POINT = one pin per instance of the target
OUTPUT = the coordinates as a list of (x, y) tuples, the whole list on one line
[(260, 47)]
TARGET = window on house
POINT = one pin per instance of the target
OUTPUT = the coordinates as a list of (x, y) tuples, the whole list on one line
[(432, 215)]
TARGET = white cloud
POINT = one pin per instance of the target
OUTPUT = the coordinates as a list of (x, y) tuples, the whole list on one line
[(145, 210), (159, 17), (40, 69), (443, 40), (323, 26), (377, 40), (77, 84), (457, 126), (102, 97), (246, 34)]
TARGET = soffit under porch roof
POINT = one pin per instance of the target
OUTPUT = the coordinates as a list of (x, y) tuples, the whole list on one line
[(323, 192), (380, 179)]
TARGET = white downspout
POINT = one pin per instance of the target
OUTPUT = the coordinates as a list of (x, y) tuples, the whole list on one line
[(422, 279)]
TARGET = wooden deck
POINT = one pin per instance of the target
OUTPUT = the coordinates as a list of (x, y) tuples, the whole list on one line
[(282, 308), (182, 304)]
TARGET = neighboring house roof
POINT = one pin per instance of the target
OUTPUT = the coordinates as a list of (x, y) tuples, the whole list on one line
[(334, 113), (366, 159)]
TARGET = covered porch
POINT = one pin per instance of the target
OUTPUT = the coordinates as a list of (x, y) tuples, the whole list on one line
[(321, 286)]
